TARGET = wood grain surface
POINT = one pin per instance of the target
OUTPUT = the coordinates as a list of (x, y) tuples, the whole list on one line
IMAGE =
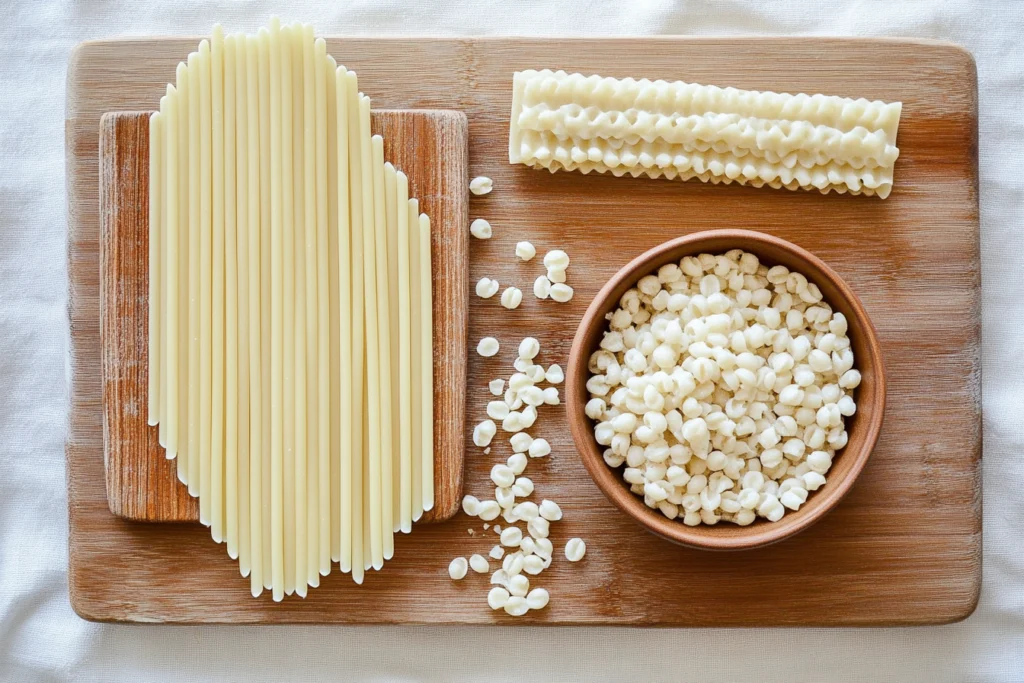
[(142, 485), (904, 547)]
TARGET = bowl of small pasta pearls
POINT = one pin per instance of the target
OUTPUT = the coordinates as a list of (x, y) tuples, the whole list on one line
[(725, 389)]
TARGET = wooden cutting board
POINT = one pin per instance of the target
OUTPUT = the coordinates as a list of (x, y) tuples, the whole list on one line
[(903, 548), (142, 485)]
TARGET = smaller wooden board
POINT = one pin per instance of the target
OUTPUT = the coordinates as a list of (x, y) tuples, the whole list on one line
[(142, 485)]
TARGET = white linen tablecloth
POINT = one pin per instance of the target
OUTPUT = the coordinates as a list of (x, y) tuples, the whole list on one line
[(41, 639)]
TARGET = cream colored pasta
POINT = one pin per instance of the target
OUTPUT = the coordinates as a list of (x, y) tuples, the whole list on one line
[(156, 169), (230, 307), (217, 289), (682, 130), (290, 315), (181, 377)]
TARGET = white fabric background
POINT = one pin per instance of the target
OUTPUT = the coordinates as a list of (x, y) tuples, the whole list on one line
[(42, 640)]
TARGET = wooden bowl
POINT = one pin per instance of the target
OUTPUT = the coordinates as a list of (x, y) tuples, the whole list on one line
[(863, 427)]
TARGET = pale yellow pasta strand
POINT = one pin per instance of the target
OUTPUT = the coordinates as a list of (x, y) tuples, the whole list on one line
[(359, 431), (217, 307), (427, 361), (404, 350), (205, 280), (165, 105), (266, 302), (391, 212), (386, 484), (162, 268), (276, 313), (256, 160), (415, 278), (312, 311), (184, 105), (350, 324), (156, 217), (244, 295), (360, 477), (230, 307), (169, 352), (195, 237), (322, 366), (299, 297), (288, 294), (337, 194), (373, 340)]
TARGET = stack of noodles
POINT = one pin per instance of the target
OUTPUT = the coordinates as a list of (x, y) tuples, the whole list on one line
[(290, 324)]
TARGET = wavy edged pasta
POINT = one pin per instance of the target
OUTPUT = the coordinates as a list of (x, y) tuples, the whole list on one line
[(682, 130)]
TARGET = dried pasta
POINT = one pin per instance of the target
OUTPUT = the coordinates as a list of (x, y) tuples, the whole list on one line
[(267, 349), (720, 135)]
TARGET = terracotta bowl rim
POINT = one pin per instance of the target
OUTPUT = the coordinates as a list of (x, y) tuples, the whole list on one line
[(760, 533)]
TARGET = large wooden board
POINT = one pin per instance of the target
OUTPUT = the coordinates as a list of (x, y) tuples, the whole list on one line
[(141, 483), (903, 548)]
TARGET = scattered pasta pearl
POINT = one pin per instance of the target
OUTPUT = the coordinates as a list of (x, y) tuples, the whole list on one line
[(521, 442), (561, 292), (513, 564), (486, 288), (458, 568), (502, 475), (532, 396), (554, 374), (542, 287), (537, 598), (529, 348), (497, 410), (550, 510), (497, 552), (575, 549), (556, 258), (525, 251), (496, 387), (481, 185), (479, 564), (505, 498), (488, 346), (517, 463), (556, 275), (538, 527), (511, 536), (519, 585), (533, 564), (523, 487), (511, 298), (471, 505), (516, 606), (526, 511), (489, 510), (484, 432), (497, 597), (535, 373), (480, 229), (539, 448)]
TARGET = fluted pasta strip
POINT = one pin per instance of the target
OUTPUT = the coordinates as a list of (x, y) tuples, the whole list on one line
[(683, 130)]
